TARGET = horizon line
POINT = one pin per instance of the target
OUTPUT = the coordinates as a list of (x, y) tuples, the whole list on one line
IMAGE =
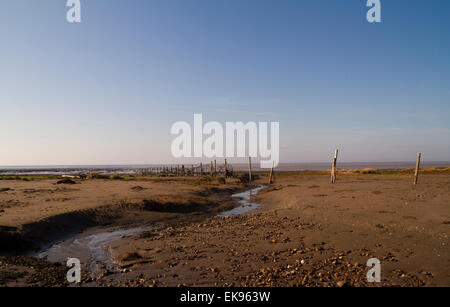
[(186, 163)]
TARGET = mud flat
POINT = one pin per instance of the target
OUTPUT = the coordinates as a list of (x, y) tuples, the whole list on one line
[(307, 232), (50, 221), (302, 232)]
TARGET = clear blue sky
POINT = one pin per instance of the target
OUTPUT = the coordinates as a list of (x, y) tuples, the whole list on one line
[(107, 91)]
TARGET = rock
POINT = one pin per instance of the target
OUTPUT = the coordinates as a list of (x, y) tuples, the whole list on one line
[(131, 257), (66, 181), (340, 284), (137, 188)]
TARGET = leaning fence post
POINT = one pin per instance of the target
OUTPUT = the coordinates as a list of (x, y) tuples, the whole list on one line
[(271, 173), (416, 176), (333, 167)]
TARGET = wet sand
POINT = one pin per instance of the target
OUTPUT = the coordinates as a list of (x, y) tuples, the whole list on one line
[(306, 232)]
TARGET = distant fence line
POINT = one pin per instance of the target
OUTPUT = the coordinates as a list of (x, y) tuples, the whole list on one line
[(226, 169), (183, 170)]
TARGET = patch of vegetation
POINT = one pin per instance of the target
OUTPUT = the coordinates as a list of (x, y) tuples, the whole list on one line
[(365, 171), (95, 175), (221, 180), (245, 178)]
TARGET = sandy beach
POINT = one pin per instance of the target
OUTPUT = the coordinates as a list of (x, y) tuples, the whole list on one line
[(306, 231)]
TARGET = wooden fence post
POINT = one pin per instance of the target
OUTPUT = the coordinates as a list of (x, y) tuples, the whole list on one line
[(271, 173), (416, 176), (225, 170), (250, 170), (333, 167), (215, 167), (201, 168)]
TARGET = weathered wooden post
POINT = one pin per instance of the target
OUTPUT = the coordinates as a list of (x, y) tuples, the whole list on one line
[(201, 169), (271, 173), (333, 166), (416, 176), (182, 171), (250, 170), (215, 167), (211, 169), (225, 166)]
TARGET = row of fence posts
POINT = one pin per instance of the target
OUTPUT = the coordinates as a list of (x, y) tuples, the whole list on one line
[(200, 170), (250, 178), (334, 168), (213, 170)]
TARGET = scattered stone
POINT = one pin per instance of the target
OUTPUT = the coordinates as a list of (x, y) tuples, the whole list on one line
[(130, 257)]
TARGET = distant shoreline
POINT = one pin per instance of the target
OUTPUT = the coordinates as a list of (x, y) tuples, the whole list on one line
[(283, 167)]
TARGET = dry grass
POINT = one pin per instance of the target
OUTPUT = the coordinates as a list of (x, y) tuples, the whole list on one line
[(396, 171), (361, 171), (116, 177), (434, 170)]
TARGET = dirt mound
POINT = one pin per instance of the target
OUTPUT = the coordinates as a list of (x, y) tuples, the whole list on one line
[(171, 205), (66, 181), (36, 235)]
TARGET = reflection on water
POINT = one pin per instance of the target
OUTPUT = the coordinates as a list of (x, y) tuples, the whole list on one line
[(245, 202), (90, 247)]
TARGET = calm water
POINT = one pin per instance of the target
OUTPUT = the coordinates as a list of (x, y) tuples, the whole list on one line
[(91, 247), (246, 202)]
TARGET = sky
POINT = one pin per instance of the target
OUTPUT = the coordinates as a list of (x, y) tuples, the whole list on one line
[(107, 90)]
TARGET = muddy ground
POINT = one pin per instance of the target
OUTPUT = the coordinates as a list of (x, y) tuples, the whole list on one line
[(307, 232)]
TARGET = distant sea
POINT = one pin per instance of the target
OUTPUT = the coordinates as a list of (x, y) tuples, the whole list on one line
[(136, 169)]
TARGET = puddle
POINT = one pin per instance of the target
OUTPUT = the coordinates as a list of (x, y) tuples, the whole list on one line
[(245, 202)]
